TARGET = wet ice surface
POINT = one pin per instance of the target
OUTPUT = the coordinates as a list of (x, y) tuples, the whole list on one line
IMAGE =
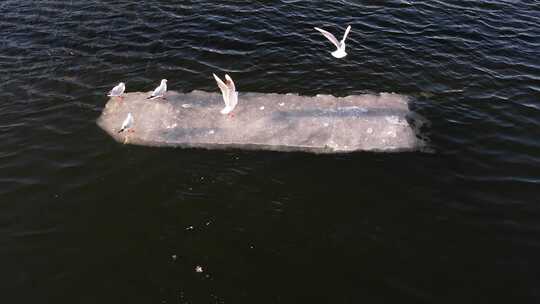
[(281, 122)]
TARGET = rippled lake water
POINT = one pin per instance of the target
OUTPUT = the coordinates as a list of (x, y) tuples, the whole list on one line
[(84, 219)]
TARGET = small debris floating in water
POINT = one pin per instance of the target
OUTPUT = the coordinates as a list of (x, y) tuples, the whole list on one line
[(198, 269)]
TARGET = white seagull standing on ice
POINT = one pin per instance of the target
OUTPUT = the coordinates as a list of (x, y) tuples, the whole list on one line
[(228, 90), (118, 90), (340, 45), (128, 123), (160, 90)]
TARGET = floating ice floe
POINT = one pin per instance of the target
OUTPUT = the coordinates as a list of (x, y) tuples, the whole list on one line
[(319, 124)]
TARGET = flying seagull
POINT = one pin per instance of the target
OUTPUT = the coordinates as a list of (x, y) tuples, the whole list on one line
[(160, 90), (118, 90), (340, 45), (128, 123), (228, 90)]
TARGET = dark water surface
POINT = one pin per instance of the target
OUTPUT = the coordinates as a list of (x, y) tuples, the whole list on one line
[(86, 220)]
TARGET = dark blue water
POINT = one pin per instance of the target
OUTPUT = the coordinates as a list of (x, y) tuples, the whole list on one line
[(84, 219)]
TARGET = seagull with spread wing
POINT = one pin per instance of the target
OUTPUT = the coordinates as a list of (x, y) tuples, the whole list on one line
[(228, 90), (340, 45)]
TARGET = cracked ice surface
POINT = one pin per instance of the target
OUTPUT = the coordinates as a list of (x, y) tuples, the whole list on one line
[(281, 122)]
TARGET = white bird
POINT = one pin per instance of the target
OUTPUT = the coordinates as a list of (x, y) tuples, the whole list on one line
[(128, 123), (160, 90), (118, 90), (228, 90), (340, 45)]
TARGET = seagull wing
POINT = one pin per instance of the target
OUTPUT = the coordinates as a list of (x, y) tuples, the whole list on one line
[(230, 83), (330, 37), (233, 95), (224, 89), (155, 92), (118, 90), (163, 89), (346, 34)]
